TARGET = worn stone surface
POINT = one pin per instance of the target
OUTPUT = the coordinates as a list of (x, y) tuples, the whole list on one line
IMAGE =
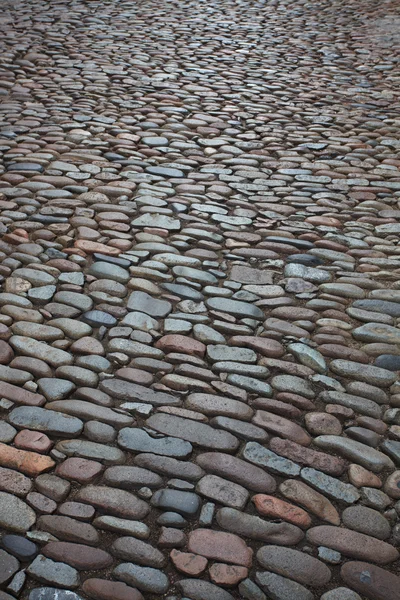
[(199, 303)]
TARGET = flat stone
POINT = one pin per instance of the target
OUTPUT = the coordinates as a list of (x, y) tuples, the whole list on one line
[(245, 274), (143, 302), (306, 456), (48, 421), (130, 478), (200, 434), (137, 551), (281, 588), (106, 270), (171, 467), (154, 220), (69, 530), (30, 463), (146, 579), (79, 556), (223, 491), (188, 563), (236, 308), (281, 426), (377, 332), (87, 411), (372, 581), (30, 347), (366, 520), (196, 589), (220, 546), (241, 429), (237, 470), (353, 544), (211, 405), (296, 565), (102, 589), (316, 503), (356, 451), (359, 404), (334, 488), (126, 390), (257, 454), (138, 440), (117, 502), (79, 469), (8, 566), (91, 450), (122, 526), (20, 547), (275, 508), (368, 373), (253, 527), (53, 573), (185, 503)]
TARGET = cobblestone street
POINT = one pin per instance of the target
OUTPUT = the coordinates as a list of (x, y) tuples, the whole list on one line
[(200, 300)]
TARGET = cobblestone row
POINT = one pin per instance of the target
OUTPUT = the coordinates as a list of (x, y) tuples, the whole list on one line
[(200, 301)]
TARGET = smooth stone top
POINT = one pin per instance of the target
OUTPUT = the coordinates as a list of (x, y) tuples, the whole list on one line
[(356, 451), (353, 544), (296, 565), (372, 581), (197, 433)]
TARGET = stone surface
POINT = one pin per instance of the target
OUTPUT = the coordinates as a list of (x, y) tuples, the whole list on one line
[(370, 580), (200, 300), (294, 564), (353, 544)]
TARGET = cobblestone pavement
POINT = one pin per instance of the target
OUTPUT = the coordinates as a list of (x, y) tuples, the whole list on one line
[(200, 303)]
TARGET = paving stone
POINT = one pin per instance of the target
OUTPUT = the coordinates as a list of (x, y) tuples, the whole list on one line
[(256, 528), (69, 530), (330, 486), (186, 503), (138, 440), (79, 556), (137, 551), (279, 509), (368, 521), (8, 566), (356, 451), (202, 590), (199, 434), (237, 470), (281, 588), (220, 546), (353, 544), (145, 579), (222, 491), (106, 590), (54, 573), (372, 581), (48, 421), (118, 502), (19, 547), (296, 565)]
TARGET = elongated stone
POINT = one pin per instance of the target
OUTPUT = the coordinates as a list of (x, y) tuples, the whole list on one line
[(353, 544), (30, 347), (356, 451), (330, 486), (372, 581), (296, 565), (253, 527), (199, 434)]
